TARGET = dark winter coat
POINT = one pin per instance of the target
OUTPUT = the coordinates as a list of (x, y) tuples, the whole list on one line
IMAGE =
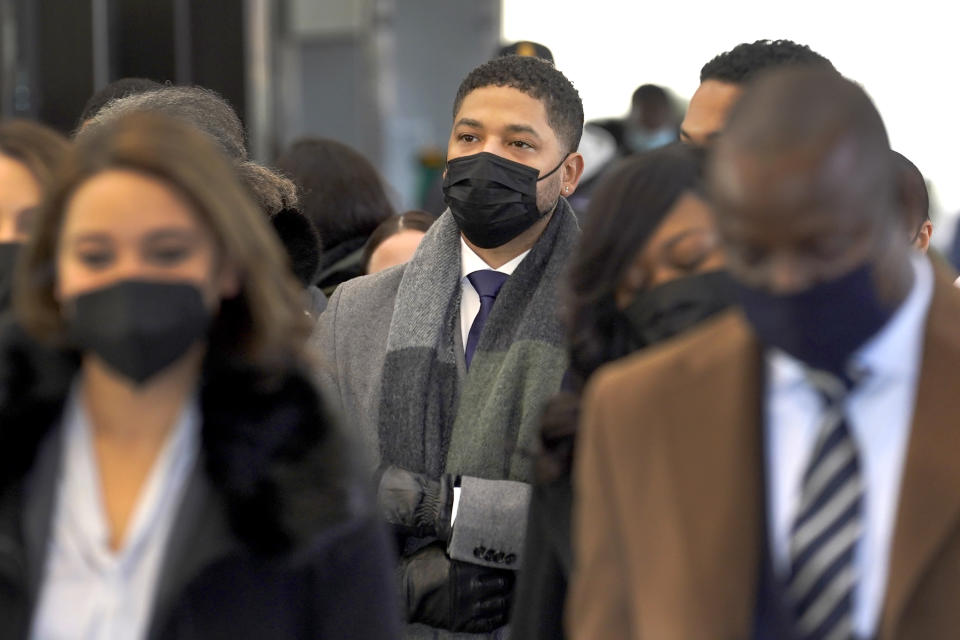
[(274, 537)]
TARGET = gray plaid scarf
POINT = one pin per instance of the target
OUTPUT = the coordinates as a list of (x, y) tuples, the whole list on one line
[(431, 421)]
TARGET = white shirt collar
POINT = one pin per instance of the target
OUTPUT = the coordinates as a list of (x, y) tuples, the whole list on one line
[(883, 354), (470, 261), (83, 495)]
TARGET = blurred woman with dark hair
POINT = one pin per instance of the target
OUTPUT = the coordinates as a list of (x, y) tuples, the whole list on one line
[(167, 469), (648, 267), (30, 155), (343, 195)]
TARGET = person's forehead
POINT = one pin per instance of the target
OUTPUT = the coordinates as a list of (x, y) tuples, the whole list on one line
[(783, 203), (12, 169), (109, 197), (710, 106), (494, 107)]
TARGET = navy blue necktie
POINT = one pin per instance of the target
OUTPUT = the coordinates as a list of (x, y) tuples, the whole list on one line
[(487, 284)]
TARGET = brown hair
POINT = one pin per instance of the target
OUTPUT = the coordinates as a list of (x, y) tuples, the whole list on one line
[(40, 149), (414, 220), (265, 324)]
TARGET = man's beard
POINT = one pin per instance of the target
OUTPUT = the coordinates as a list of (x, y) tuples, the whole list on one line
[(548, 194)]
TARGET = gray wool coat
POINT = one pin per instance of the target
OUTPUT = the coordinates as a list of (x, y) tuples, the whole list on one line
[(350, 346)]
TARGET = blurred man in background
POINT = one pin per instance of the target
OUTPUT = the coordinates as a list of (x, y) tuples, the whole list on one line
[(652, 121), (722, 80), (808, 443)]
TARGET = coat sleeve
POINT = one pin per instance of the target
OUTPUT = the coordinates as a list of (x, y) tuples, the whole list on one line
[(598, 604), (354, 592), (491, 523)]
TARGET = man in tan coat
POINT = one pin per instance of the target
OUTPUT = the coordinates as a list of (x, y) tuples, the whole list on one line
[(790, 469)]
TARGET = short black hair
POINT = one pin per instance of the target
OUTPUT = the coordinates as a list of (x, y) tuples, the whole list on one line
[(117, 89), (746, 60), (649, 94), (340, 191), (538, 79)]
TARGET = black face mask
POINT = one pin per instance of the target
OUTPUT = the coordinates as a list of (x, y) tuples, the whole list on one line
[(493, 199), (139, 327), (9, 251), (821, 326), (669, 309)]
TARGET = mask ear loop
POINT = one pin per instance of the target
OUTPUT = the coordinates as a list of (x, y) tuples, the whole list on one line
[(554, 170)]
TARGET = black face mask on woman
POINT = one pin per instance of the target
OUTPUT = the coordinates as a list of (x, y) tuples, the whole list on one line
[(493, 199), (138, 327), (671, 308)]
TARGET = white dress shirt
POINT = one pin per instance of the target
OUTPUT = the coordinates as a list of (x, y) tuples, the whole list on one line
[(469, 298), (90, 591), (879, 413)]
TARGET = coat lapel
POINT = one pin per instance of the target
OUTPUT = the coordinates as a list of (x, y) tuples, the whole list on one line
[(929, 506), (202, 535)]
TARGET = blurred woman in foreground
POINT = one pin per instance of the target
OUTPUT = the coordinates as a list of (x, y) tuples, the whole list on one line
[(648, 267), (170, 471)]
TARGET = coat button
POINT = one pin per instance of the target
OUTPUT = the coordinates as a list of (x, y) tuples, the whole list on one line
[(510, 559), (489, 555), (498, 558), (478, 552)]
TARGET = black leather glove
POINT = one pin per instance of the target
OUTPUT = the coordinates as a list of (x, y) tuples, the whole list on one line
[(414, 504), (453, 595)]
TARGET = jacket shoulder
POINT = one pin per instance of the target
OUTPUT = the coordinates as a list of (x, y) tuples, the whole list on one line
[(368, 293), (719, 346)]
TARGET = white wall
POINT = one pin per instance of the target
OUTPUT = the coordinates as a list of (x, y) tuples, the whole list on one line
[(905, 54)]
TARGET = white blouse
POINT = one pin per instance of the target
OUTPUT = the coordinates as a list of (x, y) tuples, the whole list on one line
[(90, 591)]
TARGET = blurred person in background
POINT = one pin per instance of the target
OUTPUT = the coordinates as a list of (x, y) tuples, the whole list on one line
[(788, 471), (117, 89), (914, 201), (599, 150), (652, 121), (526, 48), (648, 267), (723, 79), (444, 364), (396, 240), (342, 194), (176, 475), (30, 156), (275, 194)]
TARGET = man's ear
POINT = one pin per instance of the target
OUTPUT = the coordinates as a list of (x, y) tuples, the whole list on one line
[(570, 173), (923, 237)]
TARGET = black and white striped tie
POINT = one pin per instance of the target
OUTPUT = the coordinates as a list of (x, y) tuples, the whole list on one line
[(828, 526)]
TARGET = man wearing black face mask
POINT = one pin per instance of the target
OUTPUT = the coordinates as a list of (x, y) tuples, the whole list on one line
[(808, 443), (445, 363)]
